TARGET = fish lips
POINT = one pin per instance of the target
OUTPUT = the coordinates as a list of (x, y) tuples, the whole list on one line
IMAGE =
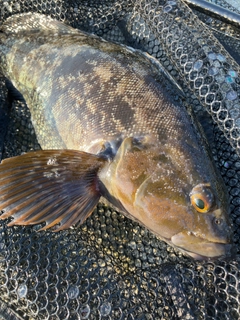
[(201, 249)]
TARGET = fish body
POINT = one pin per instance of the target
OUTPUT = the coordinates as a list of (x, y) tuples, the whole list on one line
[(108, 128)]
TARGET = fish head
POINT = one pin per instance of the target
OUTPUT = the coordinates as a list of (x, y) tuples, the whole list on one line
[(186, 205), (194, 221)]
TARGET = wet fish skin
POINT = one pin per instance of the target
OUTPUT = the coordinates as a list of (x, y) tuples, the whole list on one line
[(95, 100)]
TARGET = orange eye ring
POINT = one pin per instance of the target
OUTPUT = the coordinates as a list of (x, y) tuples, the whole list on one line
[(199, 202), (202, 198)]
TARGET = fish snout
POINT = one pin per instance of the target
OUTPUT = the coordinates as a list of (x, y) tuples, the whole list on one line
[(212, 238), (220, 226)]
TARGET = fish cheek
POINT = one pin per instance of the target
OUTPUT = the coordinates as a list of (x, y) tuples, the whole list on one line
[(161, 213)]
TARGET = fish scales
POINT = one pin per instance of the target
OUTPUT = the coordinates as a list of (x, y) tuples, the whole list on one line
[(82, 90), (116, 133)]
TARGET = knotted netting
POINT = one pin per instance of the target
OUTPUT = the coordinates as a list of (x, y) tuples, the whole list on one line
[(112, 268)]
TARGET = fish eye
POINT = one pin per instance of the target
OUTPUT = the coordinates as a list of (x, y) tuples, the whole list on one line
[(202, 198)]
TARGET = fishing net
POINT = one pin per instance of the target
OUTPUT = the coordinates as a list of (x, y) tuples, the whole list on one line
[(110, 267)]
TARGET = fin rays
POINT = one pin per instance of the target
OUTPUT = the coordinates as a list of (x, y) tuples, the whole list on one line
[(58, 187)]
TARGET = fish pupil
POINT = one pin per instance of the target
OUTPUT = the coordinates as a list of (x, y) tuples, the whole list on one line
[(199, 203)]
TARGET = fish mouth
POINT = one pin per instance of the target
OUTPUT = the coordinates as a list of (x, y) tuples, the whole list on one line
[(226, 250), (200, 248)]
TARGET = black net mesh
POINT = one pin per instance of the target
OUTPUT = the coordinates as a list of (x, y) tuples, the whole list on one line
[(111, 268)]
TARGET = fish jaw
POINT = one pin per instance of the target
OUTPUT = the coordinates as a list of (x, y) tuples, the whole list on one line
[(199, 248)]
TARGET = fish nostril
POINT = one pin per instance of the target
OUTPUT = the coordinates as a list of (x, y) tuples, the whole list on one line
[(218, 221)]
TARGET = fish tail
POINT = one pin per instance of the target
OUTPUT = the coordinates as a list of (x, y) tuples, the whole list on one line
[(58, 187)]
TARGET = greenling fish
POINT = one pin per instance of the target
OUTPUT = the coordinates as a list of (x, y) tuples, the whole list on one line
[(108, 128)]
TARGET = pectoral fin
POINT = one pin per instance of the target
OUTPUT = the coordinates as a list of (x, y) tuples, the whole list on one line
[(59, 187)]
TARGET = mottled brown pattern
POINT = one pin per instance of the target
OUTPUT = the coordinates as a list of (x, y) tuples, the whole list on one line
[(84, 93)]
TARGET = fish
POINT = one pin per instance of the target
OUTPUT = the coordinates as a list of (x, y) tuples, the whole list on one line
[(109, 131)]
